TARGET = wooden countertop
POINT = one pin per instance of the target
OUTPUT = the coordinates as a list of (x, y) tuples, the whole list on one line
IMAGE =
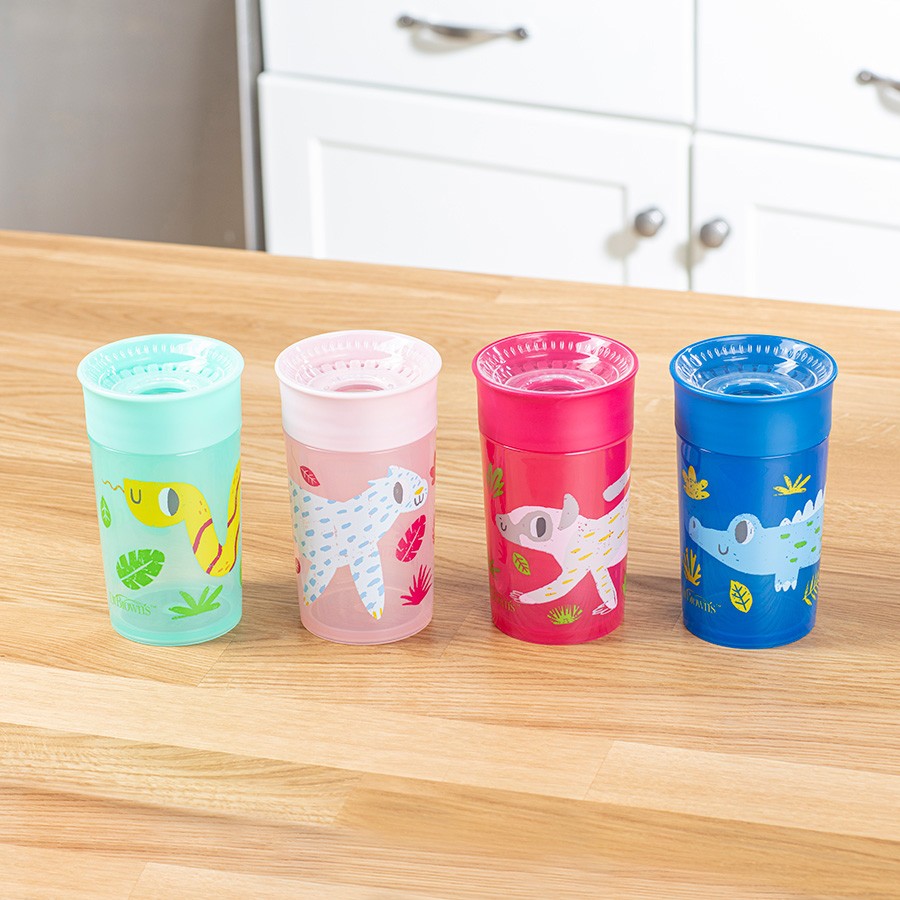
[(459, 762)]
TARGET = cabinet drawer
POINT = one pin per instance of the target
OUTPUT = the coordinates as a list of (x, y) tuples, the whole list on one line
[(788, 71), (397, 177), (630, 58)]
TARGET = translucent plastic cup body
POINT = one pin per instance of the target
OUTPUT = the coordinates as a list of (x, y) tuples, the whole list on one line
[(555, 410), (753, 414), (163, 416), (364, 532), (563, 591), (160, 589), (360, 411)]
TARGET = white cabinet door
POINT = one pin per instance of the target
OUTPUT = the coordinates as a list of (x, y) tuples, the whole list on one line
[(409, 179), (806, 224)]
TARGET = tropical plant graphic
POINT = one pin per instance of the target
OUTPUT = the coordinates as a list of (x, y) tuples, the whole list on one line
[(740, 596), (411, 541), (205, 603), (309, 476), (494, 569), (811, 591), (565, 615), (521, 564), (105, 514), (696, 490), (418, 590), (137, 568), (691, 567), (798, 486), (494, 479)]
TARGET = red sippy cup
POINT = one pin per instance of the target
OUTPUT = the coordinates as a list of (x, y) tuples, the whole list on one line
[(556, 412)]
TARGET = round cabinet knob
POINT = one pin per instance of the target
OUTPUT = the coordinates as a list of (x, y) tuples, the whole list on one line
[(714, 233), (648, 222)]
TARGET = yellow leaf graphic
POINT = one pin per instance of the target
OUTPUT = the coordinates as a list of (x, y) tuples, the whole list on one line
[(740, 596), (691, 567), (812, 590), (696, 490), (797, 486)]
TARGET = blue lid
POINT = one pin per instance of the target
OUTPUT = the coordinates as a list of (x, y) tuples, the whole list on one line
[(753, 394), (162, 393)]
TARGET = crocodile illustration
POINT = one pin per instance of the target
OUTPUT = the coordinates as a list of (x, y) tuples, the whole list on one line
[(782, 550)]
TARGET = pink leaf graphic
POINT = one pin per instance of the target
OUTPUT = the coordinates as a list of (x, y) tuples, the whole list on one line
[(418, 590), (309, 476), (411, 541)]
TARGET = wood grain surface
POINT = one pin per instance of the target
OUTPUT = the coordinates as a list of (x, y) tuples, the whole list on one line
[(459, 763)]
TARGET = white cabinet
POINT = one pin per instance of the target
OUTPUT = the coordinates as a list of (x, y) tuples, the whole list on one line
[(533, 153), (805, 224), (578, 54), (787, 71), (376, 175)]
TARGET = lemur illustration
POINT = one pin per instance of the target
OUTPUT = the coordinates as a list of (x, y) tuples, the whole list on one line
[(578, 544)]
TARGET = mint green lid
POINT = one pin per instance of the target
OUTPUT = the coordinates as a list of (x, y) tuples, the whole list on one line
[(162, 393)]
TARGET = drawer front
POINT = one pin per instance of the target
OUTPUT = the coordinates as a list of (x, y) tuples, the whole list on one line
[(805, 223), (788, 71), (630, 58), (401, 178)]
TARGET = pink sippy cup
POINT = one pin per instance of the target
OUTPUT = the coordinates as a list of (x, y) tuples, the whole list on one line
[(359, 410), (556, 411)]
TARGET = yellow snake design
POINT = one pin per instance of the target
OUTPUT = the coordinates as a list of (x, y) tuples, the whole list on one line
[(160, 504)]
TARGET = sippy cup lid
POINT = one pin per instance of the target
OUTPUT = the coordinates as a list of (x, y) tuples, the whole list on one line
[(555, 391), (753, 394), (358, 390), (162, 393)]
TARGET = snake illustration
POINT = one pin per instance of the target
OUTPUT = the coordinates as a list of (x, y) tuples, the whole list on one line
[(160, 504)]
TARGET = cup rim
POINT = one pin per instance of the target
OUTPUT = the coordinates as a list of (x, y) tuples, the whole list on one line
[(482, 379), (430, 370), (234, 359), (804, 392)]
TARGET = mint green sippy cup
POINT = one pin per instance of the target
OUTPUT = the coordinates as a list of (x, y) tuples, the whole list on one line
[(164, 420)]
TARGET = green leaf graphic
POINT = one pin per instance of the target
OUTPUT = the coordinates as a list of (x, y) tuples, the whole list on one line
[(521, 564), (105, 516), (137, 568), (205, 603), (495, 480), (740, 595)]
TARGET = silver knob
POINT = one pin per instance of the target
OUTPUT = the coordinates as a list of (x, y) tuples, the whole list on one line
[(714, 233), (648, 222)]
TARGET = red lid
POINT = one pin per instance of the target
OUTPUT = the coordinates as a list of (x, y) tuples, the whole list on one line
[(556, 391)]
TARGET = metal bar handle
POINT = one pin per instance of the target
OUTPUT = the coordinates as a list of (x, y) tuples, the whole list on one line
[(864, 76), (462, 32)]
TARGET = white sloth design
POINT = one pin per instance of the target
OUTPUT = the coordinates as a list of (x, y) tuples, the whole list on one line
[(578, 544)]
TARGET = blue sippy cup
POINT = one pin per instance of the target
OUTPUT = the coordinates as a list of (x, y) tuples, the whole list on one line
[(752, 413)]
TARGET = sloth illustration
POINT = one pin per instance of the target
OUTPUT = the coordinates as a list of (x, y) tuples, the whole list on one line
[(580, 545)]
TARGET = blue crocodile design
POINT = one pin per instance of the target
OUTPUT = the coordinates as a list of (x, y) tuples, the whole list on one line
[(781, 550)]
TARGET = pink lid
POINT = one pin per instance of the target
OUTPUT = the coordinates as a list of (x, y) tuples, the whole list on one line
[(358, 390), (556, 391)]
